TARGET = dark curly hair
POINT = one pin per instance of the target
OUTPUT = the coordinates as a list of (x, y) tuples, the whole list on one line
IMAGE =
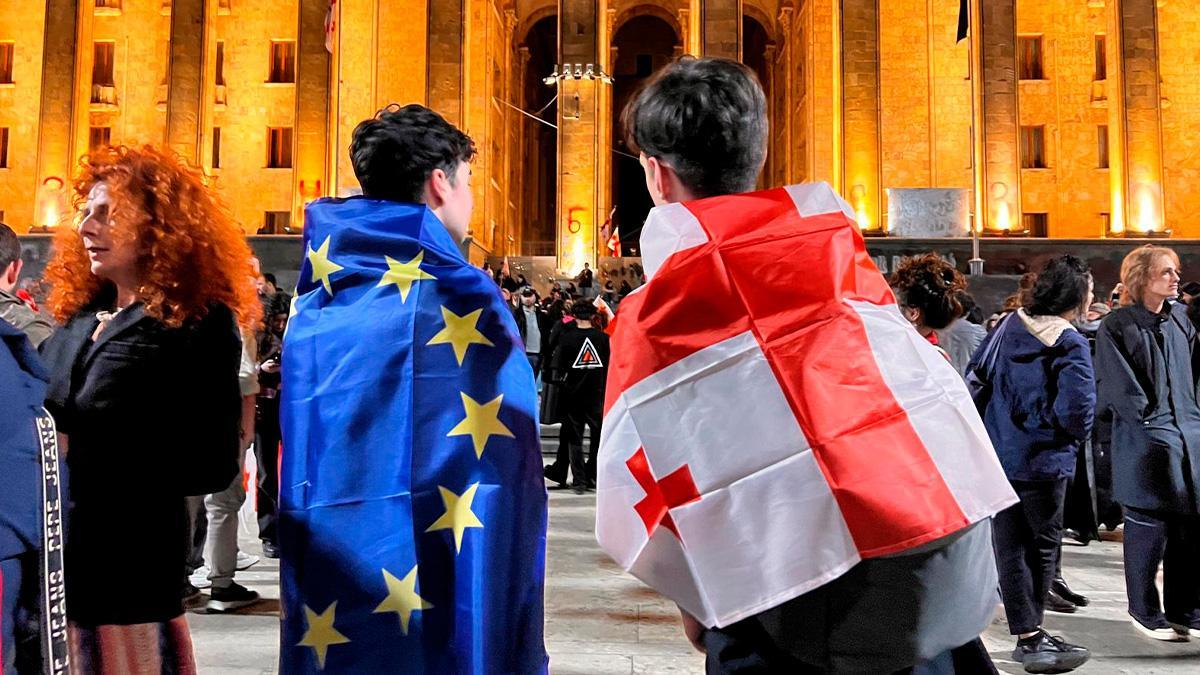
[(395, 152), (707, 119), (930, 284), (1061, 286)]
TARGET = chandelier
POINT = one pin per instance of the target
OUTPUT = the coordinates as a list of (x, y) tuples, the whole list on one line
[(577, 71)]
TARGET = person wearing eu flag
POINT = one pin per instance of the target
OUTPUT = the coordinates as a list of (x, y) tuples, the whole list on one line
[(412, 503)]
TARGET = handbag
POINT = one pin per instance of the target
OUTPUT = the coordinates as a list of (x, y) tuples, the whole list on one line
[(979, 379)]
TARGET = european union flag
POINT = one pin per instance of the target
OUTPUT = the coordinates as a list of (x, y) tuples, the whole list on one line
[(412, 504)]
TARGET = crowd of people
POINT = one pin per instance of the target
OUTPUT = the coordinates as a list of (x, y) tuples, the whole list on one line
[(160, 325)]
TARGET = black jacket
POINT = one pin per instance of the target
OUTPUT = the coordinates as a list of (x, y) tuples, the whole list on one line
[(1146, 380), (151, 414), (580, 365), (544, 326)]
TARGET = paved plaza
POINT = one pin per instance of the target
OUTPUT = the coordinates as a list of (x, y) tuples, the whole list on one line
[(600, 621)]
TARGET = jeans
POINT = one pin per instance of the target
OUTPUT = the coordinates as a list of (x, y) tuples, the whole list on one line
[(535, 362), (729, 656), (1173, 540), (1027, 538), (582, 473)]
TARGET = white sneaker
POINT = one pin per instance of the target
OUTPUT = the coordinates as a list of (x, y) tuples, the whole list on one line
[(1161, 630), (199, 578), (245, 561)]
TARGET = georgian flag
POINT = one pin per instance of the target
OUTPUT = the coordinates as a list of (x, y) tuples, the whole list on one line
[(772, 419)]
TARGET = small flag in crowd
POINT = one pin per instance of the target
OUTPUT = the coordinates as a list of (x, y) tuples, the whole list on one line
[(330, 26)]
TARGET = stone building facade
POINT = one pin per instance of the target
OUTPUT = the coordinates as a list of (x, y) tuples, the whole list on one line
[(1087, 115)]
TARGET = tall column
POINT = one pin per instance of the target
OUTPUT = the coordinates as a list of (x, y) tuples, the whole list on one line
[(786, 120), (446, 67), (189, 100), (578, 136), (66, 86), (1135, 118), (721, 28), (998, 172), (860, 110), (310, 157)]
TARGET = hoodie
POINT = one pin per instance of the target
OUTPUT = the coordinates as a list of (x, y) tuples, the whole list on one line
[(1043, 396)]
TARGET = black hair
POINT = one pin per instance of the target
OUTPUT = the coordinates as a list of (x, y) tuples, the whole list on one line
[(970, 309), (930, 284), (583, 311), (707, 119), (1061, 286), (10, 247), (1191, 288), (267, 276), (395, 152)]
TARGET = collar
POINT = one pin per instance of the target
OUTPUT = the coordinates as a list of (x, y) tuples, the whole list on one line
[(1047, 329), (1147, 319)]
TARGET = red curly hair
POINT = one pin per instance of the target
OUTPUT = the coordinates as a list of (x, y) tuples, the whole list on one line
[(190, 253)]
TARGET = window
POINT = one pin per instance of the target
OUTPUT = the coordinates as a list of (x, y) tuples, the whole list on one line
[(1033, 147), (1106, 221), (108, 4), (99, 137), (279, 148), (1035, 224), (102, 64), (216, 148), (276, 222), (283, 61), (1101, 60), (220, 63), (3, 149), (1102, 146), (6, 62), (1029, 53)]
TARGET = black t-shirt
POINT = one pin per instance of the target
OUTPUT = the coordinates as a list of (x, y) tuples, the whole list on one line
[(581, 361)]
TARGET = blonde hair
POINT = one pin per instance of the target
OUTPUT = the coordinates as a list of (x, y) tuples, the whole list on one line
[(1138, 268)]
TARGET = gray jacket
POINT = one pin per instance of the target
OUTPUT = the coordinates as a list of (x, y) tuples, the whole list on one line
[(14, 310)]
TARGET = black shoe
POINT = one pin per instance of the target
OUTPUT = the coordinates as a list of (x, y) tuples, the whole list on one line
[(1060, 588), (1056, 603), (1044, 653), (270, 550), (190, 594), (562, 482), (579, 489), (233, 596)]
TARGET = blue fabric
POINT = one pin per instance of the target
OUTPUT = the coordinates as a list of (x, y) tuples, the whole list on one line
[(22, 390), (1043, 401), (368, 407)]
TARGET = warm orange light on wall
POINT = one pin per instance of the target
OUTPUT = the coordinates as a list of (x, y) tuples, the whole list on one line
[(51, 204), (1147, 218), (1003, 221)]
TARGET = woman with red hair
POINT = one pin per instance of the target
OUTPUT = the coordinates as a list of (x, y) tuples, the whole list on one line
[(151, 287)]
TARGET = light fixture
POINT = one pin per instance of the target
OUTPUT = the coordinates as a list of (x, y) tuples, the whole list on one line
[(577, 71)]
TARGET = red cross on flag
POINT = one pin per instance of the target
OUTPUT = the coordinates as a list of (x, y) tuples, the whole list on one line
[(772, 419)]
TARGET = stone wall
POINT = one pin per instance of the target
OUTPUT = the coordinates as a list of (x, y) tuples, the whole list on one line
[(22, 23)]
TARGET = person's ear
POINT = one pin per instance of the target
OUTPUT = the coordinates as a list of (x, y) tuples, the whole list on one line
[(12, 273), (437, 189)]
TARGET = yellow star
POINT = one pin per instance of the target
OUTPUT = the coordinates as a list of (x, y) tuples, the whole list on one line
[(404, 275), (402, 597), (460, 332), (321, 634), (481, 423), (458, 515), (322, 266)]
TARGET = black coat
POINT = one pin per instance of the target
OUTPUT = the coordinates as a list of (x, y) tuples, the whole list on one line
[(151, 414), (544, 326), (1146, 380)]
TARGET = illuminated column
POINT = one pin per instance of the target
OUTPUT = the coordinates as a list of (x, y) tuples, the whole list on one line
[(189, 100), (446, 67), (689, 25), (310, 176), (578, 136), (66, 93), (999, 171), (1135, 118), (860, 110), (786, 115), (721, 28)]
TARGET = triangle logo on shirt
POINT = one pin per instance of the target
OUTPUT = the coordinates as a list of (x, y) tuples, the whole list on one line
[(588, 358)]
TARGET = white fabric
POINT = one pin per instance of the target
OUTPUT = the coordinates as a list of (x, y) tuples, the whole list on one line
[(814, 199), (669, 229)]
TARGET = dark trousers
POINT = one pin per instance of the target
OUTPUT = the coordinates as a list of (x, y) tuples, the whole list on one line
[(266, 449), (1152, 538), (1027, 537), (570, 445), (731, 654)]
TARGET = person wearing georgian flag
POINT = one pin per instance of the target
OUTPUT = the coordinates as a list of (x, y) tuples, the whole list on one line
[(782, 454)]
